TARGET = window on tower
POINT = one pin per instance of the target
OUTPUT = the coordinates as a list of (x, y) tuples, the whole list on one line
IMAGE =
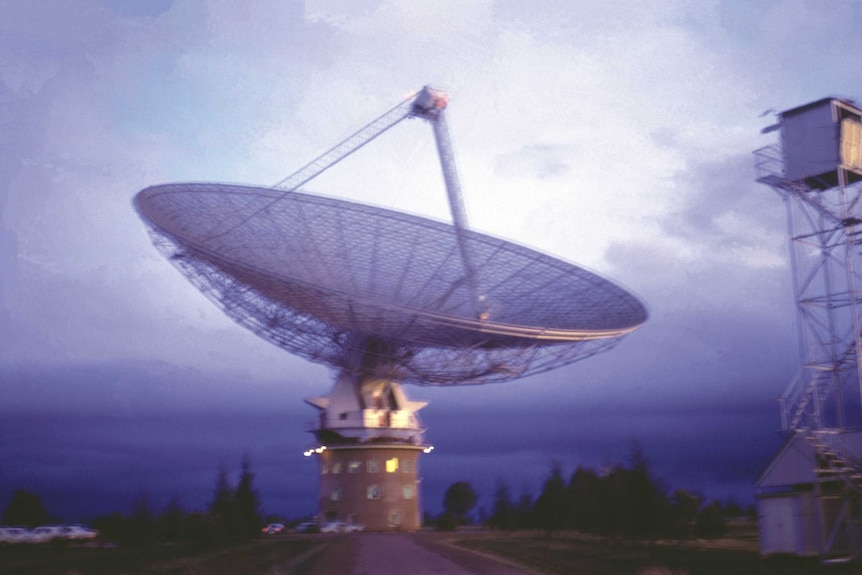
[(392, 465), (354, 467), (373, 492), (373, 466)]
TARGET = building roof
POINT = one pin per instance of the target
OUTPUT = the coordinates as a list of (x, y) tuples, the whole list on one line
[(795, 464), (817, 103)]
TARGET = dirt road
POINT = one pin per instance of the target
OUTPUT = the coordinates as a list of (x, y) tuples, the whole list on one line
[(403, 554)]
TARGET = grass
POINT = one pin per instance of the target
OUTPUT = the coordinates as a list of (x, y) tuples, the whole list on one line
[(567, 553), (564, 553), (257, 556)]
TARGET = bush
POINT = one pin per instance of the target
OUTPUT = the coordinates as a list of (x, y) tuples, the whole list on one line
[(446, 522), (711, 522)]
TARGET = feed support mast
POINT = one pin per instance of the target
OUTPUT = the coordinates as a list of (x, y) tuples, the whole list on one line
[(428, 104), (817, 169), (369, 434)]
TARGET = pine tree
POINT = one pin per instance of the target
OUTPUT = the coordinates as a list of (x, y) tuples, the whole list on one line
[(222, 511), (503, 512), (584, 496), (222, 501), (141, 530), (552, 506), (171, 522), (247, 502), (524, 516), (648, 509)]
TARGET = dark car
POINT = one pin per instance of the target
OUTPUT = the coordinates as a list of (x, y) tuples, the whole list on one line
[(273, 528), (306, 527)]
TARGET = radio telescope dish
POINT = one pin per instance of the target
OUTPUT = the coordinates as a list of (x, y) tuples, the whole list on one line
[(385, 298), (334, 281)]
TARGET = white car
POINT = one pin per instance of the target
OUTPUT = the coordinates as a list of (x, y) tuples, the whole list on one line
[(341, 527), (45, 533), (78, 532), (331, 527), (10, 535)]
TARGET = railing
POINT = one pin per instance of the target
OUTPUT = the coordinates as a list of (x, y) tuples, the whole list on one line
[(804, 396), (769, 162)]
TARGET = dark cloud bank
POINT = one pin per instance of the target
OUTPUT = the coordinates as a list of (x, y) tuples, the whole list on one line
[(121, 431)]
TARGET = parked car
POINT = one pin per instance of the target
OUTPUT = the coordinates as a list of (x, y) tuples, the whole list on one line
[(11, 535), (332, 527), (45, 533), (78, 532), (306, 527), (341, 527), (273, 528)]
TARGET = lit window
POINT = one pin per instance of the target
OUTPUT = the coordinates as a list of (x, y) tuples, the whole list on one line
[(373, 492), (336, 467), (373, 466), (353, 467), (408, 492), (336, 494), (392, 465)]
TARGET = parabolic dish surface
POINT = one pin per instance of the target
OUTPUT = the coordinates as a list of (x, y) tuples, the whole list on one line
[(339, 283)]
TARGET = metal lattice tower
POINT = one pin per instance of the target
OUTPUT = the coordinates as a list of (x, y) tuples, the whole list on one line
[(816, 168)]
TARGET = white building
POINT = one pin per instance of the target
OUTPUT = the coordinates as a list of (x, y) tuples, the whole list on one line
[(809, 503)]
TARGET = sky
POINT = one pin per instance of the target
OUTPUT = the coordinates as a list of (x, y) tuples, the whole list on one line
[(617, 135)]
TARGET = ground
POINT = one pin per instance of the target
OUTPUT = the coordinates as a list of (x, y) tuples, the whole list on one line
[(463, 552)]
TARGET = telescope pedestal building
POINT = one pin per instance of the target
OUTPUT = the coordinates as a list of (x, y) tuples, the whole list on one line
[(369, 440)]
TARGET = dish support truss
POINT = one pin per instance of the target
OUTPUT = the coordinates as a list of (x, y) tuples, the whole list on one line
[(825, 229)]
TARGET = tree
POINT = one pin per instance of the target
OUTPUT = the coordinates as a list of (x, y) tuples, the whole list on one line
[(221, 522), (503, 512), (222, 501), (552, 506), (459, 500), (711, 522), (648, 509), (141, 526), (26, 509), (524, 516), (171, 522), (247, 502), (733, 509), (234, 513), (685, 506), (583, 492)]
